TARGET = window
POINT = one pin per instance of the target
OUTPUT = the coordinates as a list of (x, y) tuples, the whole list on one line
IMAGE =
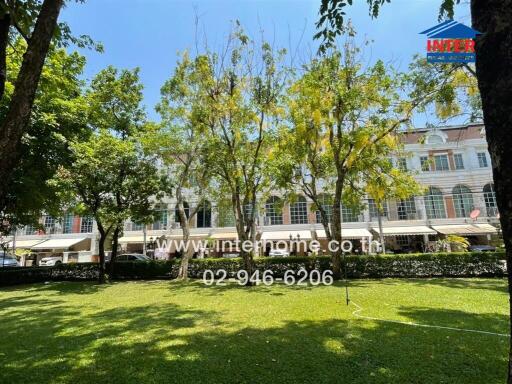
[(374, 212), (67, 223), (137, 226), (326, 203), (425, 164), (160, 219), (186, 208), (441, 163), (462, 200), (406, 209), (225, 216), (49, 224), (204, 215), (482, 160), (349, 214), (402, 240), (86, 225), (459, 162), (434, 204), (272, 211), (491, 207), (401, 164), (30, 229), (299, 211), (435, 139)]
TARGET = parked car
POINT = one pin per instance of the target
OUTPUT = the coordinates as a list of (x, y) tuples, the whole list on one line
[(137, 257), (7, 260), (481, 248), (279, 253), (50, 261)]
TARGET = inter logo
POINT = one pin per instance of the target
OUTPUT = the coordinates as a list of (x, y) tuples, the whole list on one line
[(450, 42)]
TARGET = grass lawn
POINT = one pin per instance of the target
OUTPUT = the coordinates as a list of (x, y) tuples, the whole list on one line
[(170, 332)]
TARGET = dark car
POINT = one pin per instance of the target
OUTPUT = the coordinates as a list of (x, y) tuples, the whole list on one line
[(137, 257), (481, 248), (7, 260)]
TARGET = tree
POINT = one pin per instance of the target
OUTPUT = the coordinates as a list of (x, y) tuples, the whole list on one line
[(59, 117), (344, 127), (239, 105), (180, 144), (16, 120), (494, 75), (112, 176)]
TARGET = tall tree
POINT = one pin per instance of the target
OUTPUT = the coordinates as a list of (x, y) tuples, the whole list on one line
[(344, 127), (59, 117), (113, 177), (241, 92), (16, 120), (180, 144), (35, 22), (494, 74)]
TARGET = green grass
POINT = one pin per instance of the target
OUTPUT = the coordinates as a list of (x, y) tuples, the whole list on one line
[(170, 332)]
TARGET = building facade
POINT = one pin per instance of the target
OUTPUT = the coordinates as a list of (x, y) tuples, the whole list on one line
[(451, 162)]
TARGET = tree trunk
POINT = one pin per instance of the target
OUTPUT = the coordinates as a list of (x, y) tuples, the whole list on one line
[(18, 115), (185, 227), (240, 222), (113, 254), (494, 74), (5, 23), (336, 229), (101, 249)]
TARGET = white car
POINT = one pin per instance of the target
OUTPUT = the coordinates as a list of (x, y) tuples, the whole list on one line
[(279, 253), (50, 261)]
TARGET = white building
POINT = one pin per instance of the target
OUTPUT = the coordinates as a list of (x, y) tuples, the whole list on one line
[(452, 162)]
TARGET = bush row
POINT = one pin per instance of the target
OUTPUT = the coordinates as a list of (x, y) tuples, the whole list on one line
[(464, 264)]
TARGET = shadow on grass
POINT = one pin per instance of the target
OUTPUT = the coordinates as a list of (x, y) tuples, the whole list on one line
[(496, 284), (48, 341)]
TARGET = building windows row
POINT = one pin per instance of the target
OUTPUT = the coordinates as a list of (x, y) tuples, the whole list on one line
[(441, 162)]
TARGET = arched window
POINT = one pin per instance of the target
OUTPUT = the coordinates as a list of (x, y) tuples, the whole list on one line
[(435, 139), (326, 203), (490, 200), (406, 209), (462, 200), (434, 204), (204, 215), (273, 211), (299, 211), (177, 213)]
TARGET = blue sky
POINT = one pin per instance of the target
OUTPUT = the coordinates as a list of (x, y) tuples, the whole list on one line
[(149, 33)]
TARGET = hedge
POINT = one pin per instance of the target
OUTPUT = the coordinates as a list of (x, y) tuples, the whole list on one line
[(464, 264)]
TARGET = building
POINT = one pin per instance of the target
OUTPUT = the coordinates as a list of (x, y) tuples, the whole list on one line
[(452, 162)]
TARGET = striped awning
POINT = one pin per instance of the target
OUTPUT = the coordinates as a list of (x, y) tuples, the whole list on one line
[(347, 233), (465, 229), (286, 235), (405, 230)]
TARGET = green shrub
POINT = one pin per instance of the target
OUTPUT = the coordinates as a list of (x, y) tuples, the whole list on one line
[(463, 264)]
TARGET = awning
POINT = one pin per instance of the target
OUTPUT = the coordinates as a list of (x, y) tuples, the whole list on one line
[(24, 244), (132, 239), (347, 233), (465, 229), (224, 236), (285, 235), (411, 231), (58, 243)]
